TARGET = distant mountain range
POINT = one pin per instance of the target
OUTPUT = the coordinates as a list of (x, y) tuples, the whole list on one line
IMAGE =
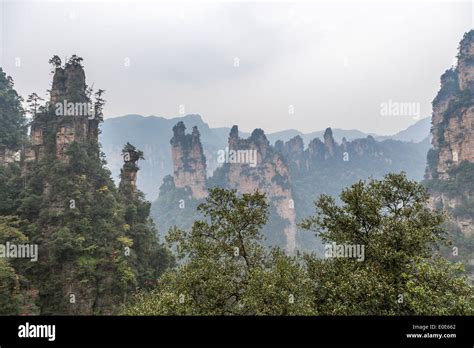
[(414, 133), (152, 135)]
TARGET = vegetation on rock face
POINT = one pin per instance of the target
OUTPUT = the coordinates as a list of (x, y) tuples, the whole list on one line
[(11, 185), (459, 187), (432, 162), (12, 119), (457, 106), (132, 154), (147, 256), (96, 245), (450, 163), (458, 184), (175, 206), (467, 37), (16, 296)]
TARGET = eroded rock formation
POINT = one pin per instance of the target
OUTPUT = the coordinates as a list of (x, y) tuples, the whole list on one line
[(68, 117), (321, 153), (269, 174), (189, 162), (129, 173), (451, 160), (247, 165)]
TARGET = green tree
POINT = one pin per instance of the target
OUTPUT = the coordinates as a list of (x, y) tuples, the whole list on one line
[(34, 103), (225, 269), (9, 279), (390, 218), (12, 119), (75, 60), (11, 186), (15, 296), (55, 62), (437, 287), (99, 104), (9, 289)]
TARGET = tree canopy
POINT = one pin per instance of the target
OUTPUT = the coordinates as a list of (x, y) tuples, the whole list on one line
[(225, 270), (12, 119)]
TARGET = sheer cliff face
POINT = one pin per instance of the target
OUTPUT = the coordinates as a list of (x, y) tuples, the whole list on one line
[(69, 116), (453, 134), (269, 174), (189, 162), (329, 143), (453, 113), (452, 124), (466, 63), (247, 165)]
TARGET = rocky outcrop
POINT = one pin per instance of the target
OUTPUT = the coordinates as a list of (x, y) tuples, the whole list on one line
[(294, 149), (246, 165), (129, 172), (291, 176), (315, 154), (453, 114), (269, 174), (452, 153), (70, 116), (189, 162), (320, 153), (329, 143), (69, 83), (465, 66)]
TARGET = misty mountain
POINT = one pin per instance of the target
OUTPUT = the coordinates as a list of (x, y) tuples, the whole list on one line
[(415, 133), (152, 135)]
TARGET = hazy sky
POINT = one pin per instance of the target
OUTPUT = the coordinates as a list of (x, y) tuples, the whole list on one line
[(248, 63)]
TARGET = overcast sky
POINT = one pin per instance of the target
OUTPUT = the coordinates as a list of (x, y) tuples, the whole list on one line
[(248, 63)]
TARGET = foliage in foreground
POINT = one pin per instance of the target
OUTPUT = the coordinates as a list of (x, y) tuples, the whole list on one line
[(225, 270)]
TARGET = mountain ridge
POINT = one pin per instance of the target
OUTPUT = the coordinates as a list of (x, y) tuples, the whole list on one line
[(153, 133), (416, 132)]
